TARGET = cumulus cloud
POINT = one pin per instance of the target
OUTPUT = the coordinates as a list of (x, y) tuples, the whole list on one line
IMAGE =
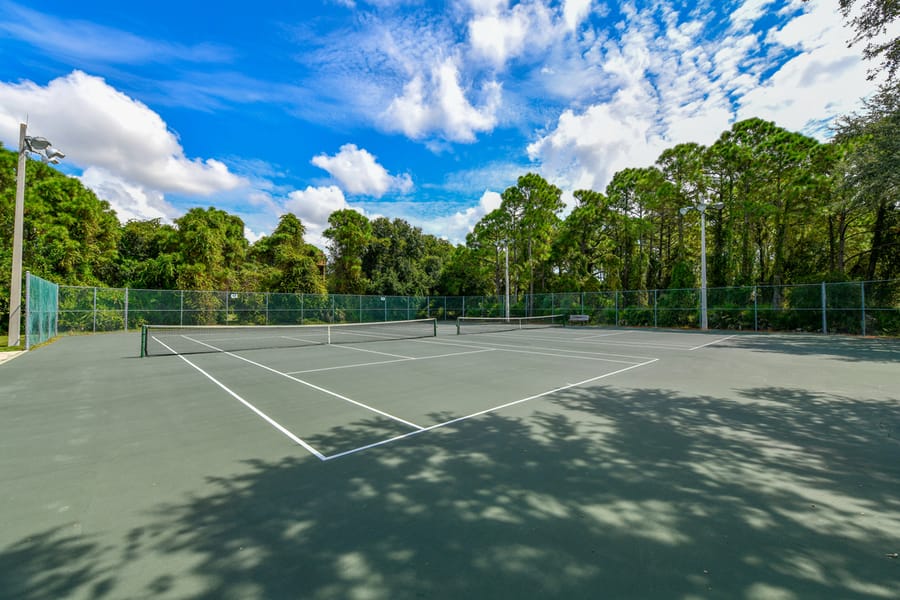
[(455, 227), (96, 125), (358, 172), (825, 78), (676, 83), (437, 103), (129, 200), (313, 206), (127, 154)]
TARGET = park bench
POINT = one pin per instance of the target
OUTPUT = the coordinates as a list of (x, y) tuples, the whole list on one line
[(583, 319)]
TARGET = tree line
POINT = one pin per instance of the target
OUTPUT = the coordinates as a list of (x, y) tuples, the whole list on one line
[(781, 208)]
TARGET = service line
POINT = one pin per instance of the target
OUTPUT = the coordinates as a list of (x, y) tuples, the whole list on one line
[(486, 411)]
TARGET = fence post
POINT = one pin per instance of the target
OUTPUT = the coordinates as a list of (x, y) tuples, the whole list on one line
[(862, 295), (27, 304), (126, 309), (655, 310), (616, 296), (302, 302), (755, 308), (95, 309), (181, 310), (267, 308), (227, 294), (824, 317)]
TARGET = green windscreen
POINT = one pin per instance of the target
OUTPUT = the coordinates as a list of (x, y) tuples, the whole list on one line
[(42, 307)]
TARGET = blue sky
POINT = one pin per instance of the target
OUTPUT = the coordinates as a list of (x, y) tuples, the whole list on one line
[(401, 108)]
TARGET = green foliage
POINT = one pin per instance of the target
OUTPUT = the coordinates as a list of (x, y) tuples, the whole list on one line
[(788, 209)]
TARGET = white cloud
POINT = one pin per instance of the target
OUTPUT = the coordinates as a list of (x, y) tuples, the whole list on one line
[(574, 12), (313, 206), (437, 104), (96, 125), (674, 84), (824, 80), (455, 227), (498, 38), (358, 172), (129, 200)]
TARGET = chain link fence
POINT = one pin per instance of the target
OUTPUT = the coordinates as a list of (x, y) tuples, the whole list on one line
[(859, 308)]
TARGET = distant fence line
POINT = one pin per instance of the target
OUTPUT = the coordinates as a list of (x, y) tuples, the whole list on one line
[(861, 308)]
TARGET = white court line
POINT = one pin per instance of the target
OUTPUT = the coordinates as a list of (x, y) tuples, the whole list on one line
[(486, 411), (386, 362), (599, 335), (317, 388), (375, 352), (260, 413), (578, 341), (712, 342), (572, 353)]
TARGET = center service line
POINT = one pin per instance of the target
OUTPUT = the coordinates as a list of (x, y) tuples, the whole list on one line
[(314, 386)]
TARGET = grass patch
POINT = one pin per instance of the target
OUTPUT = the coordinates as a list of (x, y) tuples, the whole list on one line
[(4, 340)]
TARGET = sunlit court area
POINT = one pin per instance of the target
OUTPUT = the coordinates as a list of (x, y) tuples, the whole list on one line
[(425, 459)]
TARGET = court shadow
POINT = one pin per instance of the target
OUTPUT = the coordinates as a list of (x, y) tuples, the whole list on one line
[(598, 493), (847, 348), (53, 564)]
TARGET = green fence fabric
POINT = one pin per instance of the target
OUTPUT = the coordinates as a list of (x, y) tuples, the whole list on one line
[(861, 308)]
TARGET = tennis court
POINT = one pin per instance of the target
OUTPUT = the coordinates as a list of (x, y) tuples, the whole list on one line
[(574, 462)]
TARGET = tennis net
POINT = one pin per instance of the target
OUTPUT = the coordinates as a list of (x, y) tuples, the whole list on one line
[(175, 339), (466, 325)]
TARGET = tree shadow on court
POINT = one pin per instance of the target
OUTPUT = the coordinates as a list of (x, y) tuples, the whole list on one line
[(52, 564), (847, 348), (598, 493)]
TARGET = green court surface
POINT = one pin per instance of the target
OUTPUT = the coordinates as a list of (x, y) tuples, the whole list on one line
[(575, 462)]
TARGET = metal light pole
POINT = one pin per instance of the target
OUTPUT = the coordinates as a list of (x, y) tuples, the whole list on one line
[(507, 280), (49, 154), (701, 208)]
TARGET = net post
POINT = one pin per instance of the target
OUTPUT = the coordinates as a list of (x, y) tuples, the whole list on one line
[(143, 341), (435, 327), (458, 332)]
